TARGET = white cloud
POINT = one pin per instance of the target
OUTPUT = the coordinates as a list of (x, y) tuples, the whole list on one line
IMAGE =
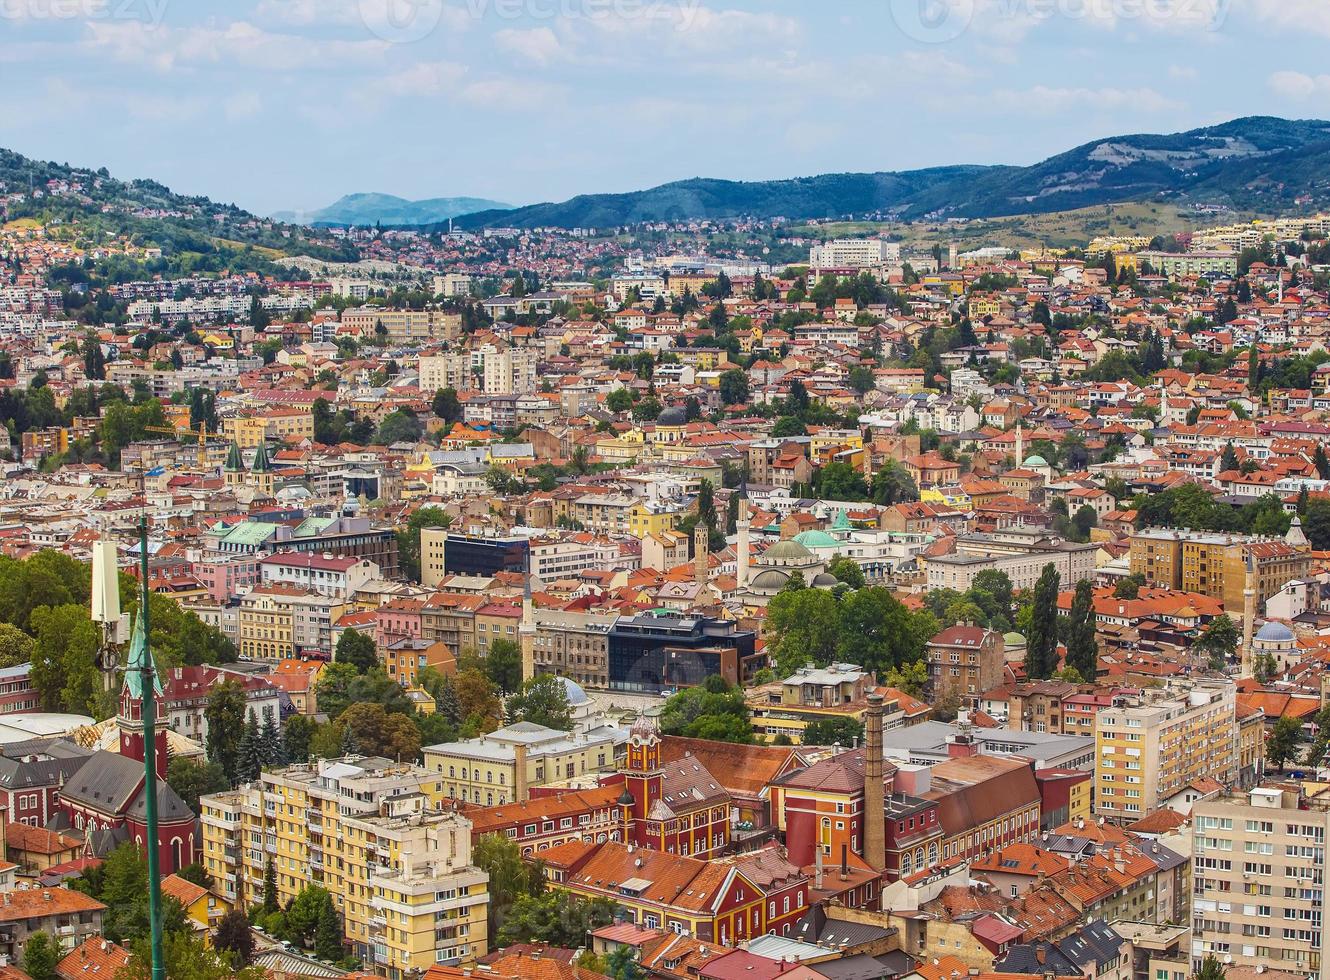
[(540, 45), (385, 18), (1295, 16), (510, 94), (1046, 99), (1183, 73), (237, 44), (428, 78), (1296, 85)]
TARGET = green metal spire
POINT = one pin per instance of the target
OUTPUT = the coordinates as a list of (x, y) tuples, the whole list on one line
[(140, 657), (235, 463), (261, 462)]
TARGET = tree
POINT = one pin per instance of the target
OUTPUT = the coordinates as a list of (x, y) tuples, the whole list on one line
[(15, 646), (1129, 586), (379, 732), (713, 711), (787, 427), (1211, 969), (64, 660), (556, 917), (328, 934), (356, 649), (876, 631), (833, 731), (408, 538), (619, 400), (191, 779), (447, 406), (734, 386), (543, 701), (803, 626), (296, 735), (510, 878), (846, 570), (233, 936), (478, 700), (841, 481), (40, 956), (270, 904), (250, 763), (1283, 742), (270, 739), (186, 957), (1219, 642), (225, 715), (503, 665), (1041, 650), (893, 485), (399, 426), (1082, 650)]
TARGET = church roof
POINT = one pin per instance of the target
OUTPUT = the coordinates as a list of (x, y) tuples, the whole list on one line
[(139, 656)]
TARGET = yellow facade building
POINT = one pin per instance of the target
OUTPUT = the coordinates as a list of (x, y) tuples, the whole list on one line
[(369, 831)]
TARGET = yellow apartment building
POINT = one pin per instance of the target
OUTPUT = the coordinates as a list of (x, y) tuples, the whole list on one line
[(1147, 748), (371, 832)]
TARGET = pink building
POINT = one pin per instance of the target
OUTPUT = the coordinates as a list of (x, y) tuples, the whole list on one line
[(227, 576)]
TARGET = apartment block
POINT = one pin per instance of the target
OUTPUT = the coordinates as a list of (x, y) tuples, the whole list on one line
[(501, 767), (1258, 869), (1149, 747), (404, 326), (574, 645), (371, 832), (1216, 564)]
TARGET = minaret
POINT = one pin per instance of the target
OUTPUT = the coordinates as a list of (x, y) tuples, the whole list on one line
[(527, 631), (741, 525), (701, 537), (1248, 622), (1163, 404), (1020, 443)]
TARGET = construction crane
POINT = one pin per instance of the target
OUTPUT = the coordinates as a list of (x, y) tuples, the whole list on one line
[(201, 434)]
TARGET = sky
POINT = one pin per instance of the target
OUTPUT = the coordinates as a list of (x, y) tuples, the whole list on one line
[(289, 104)]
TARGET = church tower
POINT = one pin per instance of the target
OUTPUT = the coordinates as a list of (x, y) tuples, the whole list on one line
[(130, 717), (233, 470), (260, 471)]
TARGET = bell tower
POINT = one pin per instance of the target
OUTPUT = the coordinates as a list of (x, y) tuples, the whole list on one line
[(129, 719)]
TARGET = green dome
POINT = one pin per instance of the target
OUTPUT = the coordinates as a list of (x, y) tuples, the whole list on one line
[(816, 539), (1036, 461), (1013, 640)]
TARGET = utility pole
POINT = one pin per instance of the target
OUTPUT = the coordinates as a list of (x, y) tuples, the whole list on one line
[(148, 707)]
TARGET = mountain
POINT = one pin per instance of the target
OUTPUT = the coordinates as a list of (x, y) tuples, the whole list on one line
[(1258, 163), (369, 209), (194, 233)]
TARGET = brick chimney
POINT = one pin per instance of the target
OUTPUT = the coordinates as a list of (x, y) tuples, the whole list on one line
[(875, 831), (520, 794)]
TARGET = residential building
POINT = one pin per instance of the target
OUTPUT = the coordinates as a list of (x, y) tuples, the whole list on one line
[(70, 918), (964, 661), (369, 831), (1258, 877), (1150, 746), (504, 765), (1216, 564)]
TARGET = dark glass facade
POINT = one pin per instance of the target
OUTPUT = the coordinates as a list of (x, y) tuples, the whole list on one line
[(652, 652), (465, 555)]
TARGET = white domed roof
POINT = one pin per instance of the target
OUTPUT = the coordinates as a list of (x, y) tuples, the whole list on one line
[(576, 696), (1275, 633)]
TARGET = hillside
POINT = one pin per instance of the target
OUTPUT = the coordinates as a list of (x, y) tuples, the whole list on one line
[(387, 209), (1257, 163), (91, 206)]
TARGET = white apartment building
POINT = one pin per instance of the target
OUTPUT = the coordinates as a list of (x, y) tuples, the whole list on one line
[(854, 253)]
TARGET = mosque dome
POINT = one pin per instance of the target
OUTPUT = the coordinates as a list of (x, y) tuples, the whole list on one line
[(771, 580), (786, 551), (1273, 632), (576, 696), (816, 539)]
